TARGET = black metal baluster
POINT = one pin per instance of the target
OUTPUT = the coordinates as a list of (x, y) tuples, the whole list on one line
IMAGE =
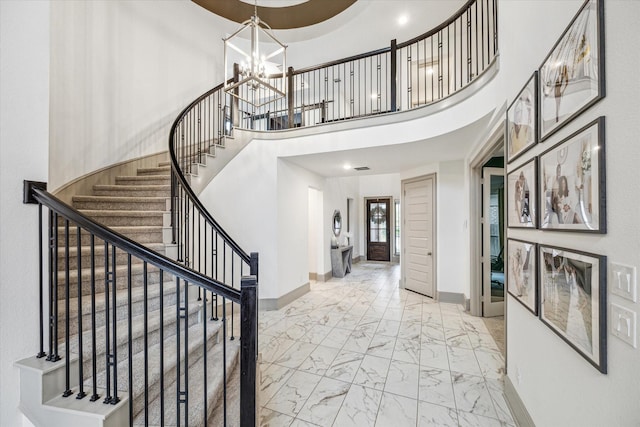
[(130, 337), (114, 358), (204, 359), (162, 347), (185, 318), (81, 393), (178, 381), (145, 309), (54, 356), (233, 282), (224, 359), (95, 396), (53, 258), (107, 350), (67, 297), (41, 353)]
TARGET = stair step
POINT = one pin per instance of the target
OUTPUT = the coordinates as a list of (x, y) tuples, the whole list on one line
[(164, 164), (137, 334), (214, 383), (144, 180), (98, 251), (141, 234), (195, 345), (121, 272), (133, 190), (162, 170), (112, 218), (120, 203)]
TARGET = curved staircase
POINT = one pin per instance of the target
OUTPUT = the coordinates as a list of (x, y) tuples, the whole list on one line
[(137, 207)]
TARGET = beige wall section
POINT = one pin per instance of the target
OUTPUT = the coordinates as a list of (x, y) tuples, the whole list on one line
[(107, 175)]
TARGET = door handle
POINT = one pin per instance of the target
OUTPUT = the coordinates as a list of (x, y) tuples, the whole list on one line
[(429, 253)]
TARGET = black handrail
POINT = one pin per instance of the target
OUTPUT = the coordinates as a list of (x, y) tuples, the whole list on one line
[(111, 315), (177, 171), (116, 239)]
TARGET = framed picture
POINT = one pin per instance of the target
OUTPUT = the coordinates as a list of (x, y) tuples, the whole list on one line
[(573, 303), (572, 75), (522, 273), (522, 121), (522, 196), (572, 182)]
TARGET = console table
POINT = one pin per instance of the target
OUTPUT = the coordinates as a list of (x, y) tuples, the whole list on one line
[(341, 260)]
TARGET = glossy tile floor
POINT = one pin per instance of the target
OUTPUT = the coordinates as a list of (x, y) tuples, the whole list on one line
[(359, 351)]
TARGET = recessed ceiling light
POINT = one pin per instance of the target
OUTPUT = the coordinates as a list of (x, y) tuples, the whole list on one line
[(346, 166), (403, 19)]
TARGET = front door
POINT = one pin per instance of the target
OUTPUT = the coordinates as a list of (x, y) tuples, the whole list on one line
[(493, 250), (378, 230), (419, 209)]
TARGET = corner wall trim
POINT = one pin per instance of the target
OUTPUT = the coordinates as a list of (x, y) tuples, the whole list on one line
[(451, 297), (518, 410), (269, 304)]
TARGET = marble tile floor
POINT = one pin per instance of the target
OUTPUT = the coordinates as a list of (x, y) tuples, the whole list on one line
[(359, 351)]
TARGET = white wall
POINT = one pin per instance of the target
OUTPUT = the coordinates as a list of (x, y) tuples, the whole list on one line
[(338, 190), (24, 129), (556, 384), (121, 71)]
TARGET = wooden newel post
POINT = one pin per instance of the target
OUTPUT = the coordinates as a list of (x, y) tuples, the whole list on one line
[(248, 351)]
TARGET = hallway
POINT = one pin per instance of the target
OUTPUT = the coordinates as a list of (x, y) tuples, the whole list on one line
[(359, 351)]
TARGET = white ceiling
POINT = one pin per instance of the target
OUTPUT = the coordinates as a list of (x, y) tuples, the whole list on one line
[(398, 157)]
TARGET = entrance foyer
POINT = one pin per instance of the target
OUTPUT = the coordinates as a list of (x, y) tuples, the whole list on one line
[(359, 351)]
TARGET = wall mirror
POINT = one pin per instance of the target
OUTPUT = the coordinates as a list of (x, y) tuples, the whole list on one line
[(337, 223)]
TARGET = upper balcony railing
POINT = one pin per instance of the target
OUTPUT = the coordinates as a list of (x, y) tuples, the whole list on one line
[(400, 77)]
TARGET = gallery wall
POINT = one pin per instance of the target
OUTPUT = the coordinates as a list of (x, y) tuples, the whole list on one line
[(557, 385)]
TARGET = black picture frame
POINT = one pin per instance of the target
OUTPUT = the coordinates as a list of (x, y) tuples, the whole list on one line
[(522, 120), (522, 196), (575, 66), (522, 273), (573, 300), (572, 182)]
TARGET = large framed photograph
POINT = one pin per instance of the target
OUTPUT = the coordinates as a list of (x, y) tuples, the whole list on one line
[(522, 196), (522, 273), (522, 120), (572, 182), (572, 75), (573, 302)]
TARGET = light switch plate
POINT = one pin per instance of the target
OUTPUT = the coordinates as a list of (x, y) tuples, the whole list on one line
[(623, 281), (623, 324)]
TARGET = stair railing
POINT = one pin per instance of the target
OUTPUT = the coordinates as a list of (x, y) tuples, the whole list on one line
[(88, 275), (400, 77)]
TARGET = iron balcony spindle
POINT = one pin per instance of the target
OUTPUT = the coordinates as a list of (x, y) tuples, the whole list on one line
[(224, 358), (81, 393), (130, 335), (107, 278), (114, 319), (52, 259), (55, 356), (41, 353), (67, 298), (95, 396), (204, 357), (145, 310), (161, 347)]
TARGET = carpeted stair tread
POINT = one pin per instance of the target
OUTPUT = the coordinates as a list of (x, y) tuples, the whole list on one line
[(214, 382)]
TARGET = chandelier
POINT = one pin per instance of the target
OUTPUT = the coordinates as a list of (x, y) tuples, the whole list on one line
[(255, 66)]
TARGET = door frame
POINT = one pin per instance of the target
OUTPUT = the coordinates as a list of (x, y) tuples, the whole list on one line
[(434, 228), (493, 143), (486, 298), (389, 200)]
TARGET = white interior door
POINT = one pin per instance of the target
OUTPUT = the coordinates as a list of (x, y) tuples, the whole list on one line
[(419, 248), (493, 241)]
